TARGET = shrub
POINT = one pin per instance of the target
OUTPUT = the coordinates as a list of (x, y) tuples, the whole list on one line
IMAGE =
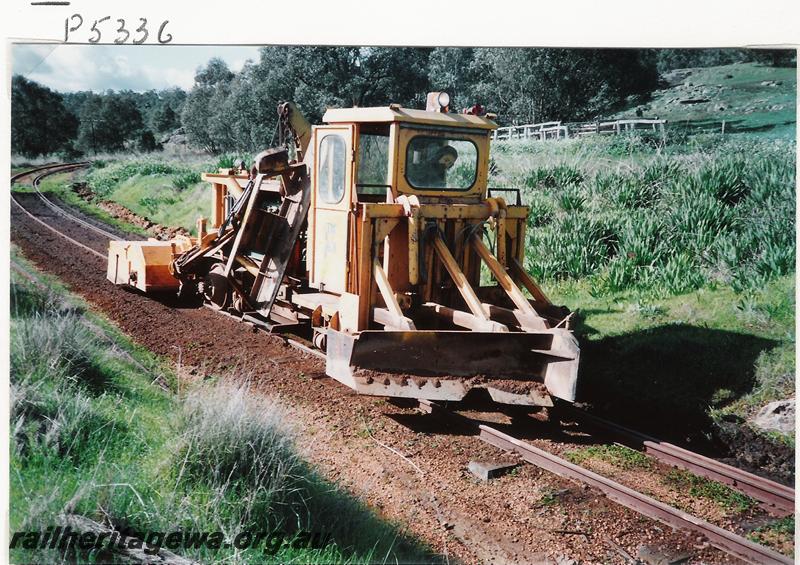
[(571, 247), (27, 301), (637, 189), (620, 274), (228, 161), (106, 179), (182, 181), (681, 274), (723, 179), (697, 219), (571, 200), (56, 420), (668, 221), (150, 204), (552, 177), (56, 367), (233, 443), (636, 142), (540, 212)]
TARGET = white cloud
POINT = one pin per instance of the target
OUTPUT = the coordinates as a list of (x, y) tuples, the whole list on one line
[(70, 68), (83, 67)]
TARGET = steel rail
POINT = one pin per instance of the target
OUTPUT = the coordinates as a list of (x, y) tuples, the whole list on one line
[(725, 540), (775, 497), (58, 209), (54, 230), (51, 169)]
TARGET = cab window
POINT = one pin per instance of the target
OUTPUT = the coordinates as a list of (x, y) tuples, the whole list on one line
[(332, 163), (373, 161), (440, 162)]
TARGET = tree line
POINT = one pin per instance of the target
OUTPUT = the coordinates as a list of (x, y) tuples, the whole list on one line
[(82, 123), (227, 111)]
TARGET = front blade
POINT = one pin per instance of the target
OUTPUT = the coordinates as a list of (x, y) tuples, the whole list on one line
[(516, 368)]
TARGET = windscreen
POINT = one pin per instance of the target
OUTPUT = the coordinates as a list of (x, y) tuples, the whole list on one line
[(440, 162)]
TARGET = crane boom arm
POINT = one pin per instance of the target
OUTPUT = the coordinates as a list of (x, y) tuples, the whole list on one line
[(292, 119)]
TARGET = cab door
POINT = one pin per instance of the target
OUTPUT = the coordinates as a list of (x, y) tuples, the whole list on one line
[(332, 198)]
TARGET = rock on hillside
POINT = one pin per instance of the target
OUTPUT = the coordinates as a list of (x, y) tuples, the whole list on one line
[(776, 416)]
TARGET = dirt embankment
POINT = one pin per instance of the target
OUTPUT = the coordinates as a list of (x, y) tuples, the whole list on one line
[(123, 214), (408, 466)]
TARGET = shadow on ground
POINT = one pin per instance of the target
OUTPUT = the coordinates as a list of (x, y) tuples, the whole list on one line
[(663, 380)]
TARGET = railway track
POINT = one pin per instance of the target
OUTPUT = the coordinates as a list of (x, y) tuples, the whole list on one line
[(59, 210), (38, 174), (774, 497), (772, 494), (720, 538)]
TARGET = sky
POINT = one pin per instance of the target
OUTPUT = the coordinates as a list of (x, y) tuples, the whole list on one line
[(70, 68)]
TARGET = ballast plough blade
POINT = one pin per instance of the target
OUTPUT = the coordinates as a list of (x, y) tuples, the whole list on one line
[(515, 368)]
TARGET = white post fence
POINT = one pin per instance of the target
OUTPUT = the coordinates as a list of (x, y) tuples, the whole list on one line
[(557, 130)]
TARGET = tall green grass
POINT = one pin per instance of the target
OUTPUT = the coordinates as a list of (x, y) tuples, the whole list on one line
[(663, 218), (104, 177)]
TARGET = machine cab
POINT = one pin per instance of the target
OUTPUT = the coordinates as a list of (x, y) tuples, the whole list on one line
[(377, 155)]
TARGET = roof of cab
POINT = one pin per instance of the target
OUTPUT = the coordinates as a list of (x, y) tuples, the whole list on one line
[(386, 114)]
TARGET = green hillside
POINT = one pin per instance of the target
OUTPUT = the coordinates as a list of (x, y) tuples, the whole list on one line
[(750, 97)]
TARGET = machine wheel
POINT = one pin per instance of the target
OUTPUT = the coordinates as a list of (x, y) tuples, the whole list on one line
[(216, 289), (188, 293), (320, 339)]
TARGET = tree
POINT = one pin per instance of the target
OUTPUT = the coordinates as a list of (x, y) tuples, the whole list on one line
[(776, 57), (195, 117), (316, 78), (671, 59), (165, 119), (166, 116), (536, 85), (147, 142), (202, 110), (215, 72), (108, 122), (40, 123), (456, 70), (89, 123), (227, 112), (239, 114)]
